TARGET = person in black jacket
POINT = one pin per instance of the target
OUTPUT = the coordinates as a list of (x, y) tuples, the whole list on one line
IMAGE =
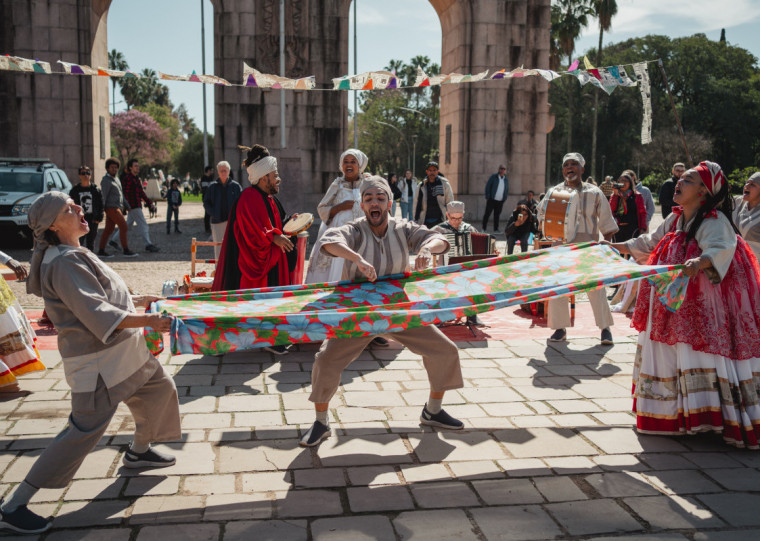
[(88, 196), (519, 227), (219, 201), (668, 188)]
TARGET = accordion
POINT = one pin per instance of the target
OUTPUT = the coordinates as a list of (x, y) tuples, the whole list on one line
[(459, 244)]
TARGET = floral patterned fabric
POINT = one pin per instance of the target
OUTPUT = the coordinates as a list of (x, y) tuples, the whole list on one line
[(221, 322)]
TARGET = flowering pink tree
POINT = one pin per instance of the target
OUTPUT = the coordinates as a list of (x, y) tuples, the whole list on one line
[(137, 135)]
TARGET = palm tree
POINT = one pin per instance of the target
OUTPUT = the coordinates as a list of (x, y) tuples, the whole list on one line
[(116, 61), (569, 17), (605, 10)]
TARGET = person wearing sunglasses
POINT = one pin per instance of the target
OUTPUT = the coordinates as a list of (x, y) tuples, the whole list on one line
[(87, 195)]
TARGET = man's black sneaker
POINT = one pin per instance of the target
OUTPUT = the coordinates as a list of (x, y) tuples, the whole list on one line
[(102, 254), (316, 433), (607, 337), (22, 520), (113, 244), (178, 231), (560, 335), (440, 419), (277, 350), (149, 459), (130, 253), (379, 342), (152, 248)]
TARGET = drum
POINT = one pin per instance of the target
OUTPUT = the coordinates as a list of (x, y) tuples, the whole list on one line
[(560, 218), (295, 225)]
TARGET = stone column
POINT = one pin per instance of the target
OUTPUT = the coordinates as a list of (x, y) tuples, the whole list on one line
[(316, 43), (60, 117), (501, 121)]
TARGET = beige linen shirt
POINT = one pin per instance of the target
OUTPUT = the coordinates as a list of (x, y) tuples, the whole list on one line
[(389, 254), (593, 213), (748, 223), (86, 301)]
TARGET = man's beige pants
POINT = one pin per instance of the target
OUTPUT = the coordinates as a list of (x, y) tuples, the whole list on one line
[(559, 310), (440, 357)]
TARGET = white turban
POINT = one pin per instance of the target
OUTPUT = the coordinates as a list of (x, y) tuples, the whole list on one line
[(574, 156), (360, 156), (260, 168)]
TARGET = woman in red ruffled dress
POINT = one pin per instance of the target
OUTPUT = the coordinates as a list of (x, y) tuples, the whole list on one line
[(697, 368)]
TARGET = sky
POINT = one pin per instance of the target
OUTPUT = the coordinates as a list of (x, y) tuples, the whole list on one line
[(388, 29)]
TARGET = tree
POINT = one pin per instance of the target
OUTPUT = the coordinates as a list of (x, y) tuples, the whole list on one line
[(190, 157), (137, 135), (604, 11), (116, 61), (144, 90), (169, 122), (569, 17), (389, 120)]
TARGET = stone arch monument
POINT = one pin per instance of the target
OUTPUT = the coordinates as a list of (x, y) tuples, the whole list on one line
[(66, 118)]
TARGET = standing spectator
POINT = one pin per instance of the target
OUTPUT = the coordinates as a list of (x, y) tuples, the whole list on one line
[(173, 202), (645, 193), (591, 181), (433, 196), (497, 190), (629, 209), (593, 216), (395, 190), (607, 188), (113, 201), (134, 195), (219, 201), (87, 195), (407, 186), (205, 182), (530, 201), (519, 227), (668, 188), (747, 213)]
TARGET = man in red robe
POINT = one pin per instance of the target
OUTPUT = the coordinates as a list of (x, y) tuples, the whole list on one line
[(255, 252)]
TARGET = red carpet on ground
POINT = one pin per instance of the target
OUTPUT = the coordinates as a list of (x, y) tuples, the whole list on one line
[(507, 324)]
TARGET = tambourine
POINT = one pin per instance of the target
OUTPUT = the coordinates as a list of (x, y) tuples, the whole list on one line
[(295, 225)]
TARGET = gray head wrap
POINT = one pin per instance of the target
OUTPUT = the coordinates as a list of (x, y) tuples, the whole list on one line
[(455, 206), (375, 182), (755, 178), (360, 156), (42, 214)]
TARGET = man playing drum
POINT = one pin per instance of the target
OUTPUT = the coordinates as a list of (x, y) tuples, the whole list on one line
[(590, 215)]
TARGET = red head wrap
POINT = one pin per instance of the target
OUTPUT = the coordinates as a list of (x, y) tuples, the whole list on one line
[(712, 176)]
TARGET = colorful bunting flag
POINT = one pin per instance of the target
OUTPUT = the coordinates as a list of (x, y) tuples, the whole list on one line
[(642, 77), (16, 63), (266, 80), (194, 77)]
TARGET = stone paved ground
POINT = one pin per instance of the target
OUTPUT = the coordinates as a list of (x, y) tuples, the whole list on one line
[(549, 452)]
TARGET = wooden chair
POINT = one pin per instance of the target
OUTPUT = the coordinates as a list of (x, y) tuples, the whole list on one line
[(195, 288)]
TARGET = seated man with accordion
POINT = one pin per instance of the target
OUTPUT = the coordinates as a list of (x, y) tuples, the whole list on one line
[(467, 244)]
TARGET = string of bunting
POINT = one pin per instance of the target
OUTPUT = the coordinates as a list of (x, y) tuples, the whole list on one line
[(606, 78)]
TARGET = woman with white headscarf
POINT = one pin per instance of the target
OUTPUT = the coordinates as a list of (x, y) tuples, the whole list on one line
[(104, 356), (747, 213), (340, 205)]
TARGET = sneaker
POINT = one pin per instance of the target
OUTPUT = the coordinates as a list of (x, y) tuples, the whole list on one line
[(440, 419), (149, 459), (152, 248), (102, 254), (178, 231), (379, 342), (23, 520), (129, 253), (113, 244), (560, 335), (277, 350), (316, 433), (607, 337)]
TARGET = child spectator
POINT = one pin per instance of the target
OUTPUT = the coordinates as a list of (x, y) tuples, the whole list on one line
[(88, 196), (173, 201)]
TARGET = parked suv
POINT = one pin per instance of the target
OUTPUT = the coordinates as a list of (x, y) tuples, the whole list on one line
[(22, 181)]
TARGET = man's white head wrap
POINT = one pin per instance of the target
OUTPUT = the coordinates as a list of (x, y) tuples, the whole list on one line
[(455, 206), (574, 156), (260, 168), (360, 156)]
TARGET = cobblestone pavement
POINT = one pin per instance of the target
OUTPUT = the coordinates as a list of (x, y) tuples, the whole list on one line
[(548, 452)]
